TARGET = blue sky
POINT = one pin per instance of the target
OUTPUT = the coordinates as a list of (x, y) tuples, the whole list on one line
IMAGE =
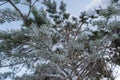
[(77, 6)]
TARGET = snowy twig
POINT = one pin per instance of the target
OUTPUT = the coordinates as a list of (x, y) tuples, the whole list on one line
[(3, 3), (78, 30)]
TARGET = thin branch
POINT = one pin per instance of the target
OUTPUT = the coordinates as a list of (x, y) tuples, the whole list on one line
[(61, 71), (85, 72), (17, 9), (30, 6), (3, 3), (34, 2), (78, 30), (54, 76), (77, 66)]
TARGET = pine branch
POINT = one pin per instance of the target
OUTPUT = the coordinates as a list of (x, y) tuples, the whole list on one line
[(21, 14)]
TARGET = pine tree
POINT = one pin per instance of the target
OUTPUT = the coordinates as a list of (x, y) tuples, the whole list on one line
[(54, 45)]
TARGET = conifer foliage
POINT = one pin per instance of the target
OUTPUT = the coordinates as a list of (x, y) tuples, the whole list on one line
[(53, 45)]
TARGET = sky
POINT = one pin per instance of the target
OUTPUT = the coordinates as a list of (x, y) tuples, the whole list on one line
[(77, 6)]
